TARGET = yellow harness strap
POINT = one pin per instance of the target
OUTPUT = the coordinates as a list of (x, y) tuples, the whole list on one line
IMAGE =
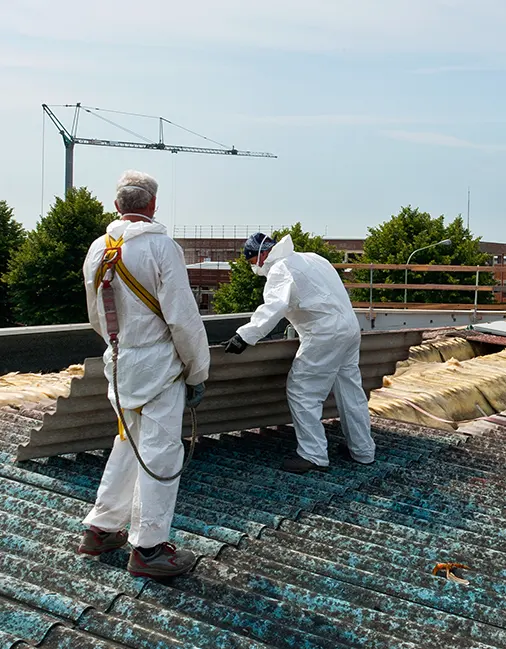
[(121, 430), (111, 254)]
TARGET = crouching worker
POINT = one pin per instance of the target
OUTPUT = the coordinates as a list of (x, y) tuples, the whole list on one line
[(163, 362), (306, 289)]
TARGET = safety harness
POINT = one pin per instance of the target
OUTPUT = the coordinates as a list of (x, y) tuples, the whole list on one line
[(112, 259), (112, 264)]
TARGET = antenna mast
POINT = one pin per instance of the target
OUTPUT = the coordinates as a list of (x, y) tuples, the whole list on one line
[(468, 205)]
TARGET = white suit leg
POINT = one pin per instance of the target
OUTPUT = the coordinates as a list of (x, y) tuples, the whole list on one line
[(114, 498), (306, 391), (162, 450), (353, 407)]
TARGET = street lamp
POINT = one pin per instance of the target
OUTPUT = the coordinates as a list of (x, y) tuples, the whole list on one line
[(444, 242)]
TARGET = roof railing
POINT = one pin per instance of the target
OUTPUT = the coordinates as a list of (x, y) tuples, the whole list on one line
[(498, 288)]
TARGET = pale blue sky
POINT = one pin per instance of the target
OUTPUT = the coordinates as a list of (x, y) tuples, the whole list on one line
[(369, 105)]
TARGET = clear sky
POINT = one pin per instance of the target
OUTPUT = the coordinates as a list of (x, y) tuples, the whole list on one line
[(369, 104)]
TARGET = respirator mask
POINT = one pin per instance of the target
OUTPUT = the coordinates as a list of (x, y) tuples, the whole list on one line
[(259, 270)]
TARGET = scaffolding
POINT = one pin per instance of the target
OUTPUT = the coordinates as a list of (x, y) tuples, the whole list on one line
[(206, 243), (222, 231)]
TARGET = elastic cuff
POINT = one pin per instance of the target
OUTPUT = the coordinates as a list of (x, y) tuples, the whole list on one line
[(363, 459)]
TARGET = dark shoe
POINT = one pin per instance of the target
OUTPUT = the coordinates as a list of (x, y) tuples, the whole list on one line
[(344, 452), (300, 465), (94, 541), (166, 561)]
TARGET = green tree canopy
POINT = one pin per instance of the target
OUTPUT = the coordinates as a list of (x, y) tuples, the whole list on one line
[(245, 290), (393, 241), (12, 236), (45, 275)]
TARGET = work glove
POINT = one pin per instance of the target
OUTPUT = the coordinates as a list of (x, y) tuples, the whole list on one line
[(194, 394), (235, 345)]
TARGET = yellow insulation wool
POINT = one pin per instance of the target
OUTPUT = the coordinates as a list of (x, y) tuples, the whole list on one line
[(17, 389), (439, 351), (463, 387)]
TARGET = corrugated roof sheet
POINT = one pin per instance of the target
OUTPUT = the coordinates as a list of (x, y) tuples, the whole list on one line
[(243, 391), (323, 561)]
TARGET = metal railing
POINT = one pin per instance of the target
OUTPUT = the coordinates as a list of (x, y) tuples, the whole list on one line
[(476, 288)]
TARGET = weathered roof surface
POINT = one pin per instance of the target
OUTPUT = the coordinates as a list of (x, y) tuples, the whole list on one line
[(323, 561)]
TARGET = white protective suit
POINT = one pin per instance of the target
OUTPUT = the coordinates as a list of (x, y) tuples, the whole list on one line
[(306, 289), (155, 361)]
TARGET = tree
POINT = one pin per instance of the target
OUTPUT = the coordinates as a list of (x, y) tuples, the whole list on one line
[(305, 242), (393, 241), (45, 277), (12, 236), (244, 292)]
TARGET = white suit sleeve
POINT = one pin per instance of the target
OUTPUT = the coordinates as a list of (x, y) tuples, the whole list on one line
[(181, 314), (91, 295), (277, 295)]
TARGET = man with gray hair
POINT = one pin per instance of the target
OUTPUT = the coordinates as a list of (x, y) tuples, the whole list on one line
[(163, 358)]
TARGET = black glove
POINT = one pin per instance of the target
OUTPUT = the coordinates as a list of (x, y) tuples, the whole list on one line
[(194, 394), (235, 345)]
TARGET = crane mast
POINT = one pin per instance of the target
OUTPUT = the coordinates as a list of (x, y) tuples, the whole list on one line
[(70, 139)]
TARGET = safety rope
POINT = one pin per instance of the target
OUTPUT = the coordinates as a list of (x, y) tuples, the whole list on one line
[(193, 414), (112, 324)]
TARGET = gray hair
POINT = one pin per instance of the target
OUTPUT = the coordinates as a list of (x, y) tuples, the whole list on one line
[(134, 191)]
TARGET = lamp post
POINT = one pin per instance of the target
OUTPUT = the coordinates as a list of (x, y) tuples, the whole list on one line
[(444, 242)]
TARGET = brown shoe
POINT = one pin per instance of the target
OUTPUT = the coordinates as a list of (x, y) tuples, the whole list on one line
[(166, 561), (95, 541), (300, 465)]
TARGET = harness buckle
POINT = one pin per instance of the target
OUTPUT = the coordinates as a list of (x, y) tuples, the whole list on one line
[(111, 259)]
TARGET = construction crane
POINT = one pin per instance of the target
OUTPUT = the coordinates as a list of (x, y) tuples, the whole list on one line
[(70, 139)]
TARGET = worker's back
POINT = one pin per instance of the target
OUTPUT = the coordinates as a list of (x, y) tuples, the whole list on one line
[(319, 303), (318, 282), (169, 344)]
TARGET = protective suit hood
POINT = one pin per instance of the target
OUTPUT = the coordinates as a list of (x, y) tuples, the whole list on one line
[(131, 229), (282, 249)]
